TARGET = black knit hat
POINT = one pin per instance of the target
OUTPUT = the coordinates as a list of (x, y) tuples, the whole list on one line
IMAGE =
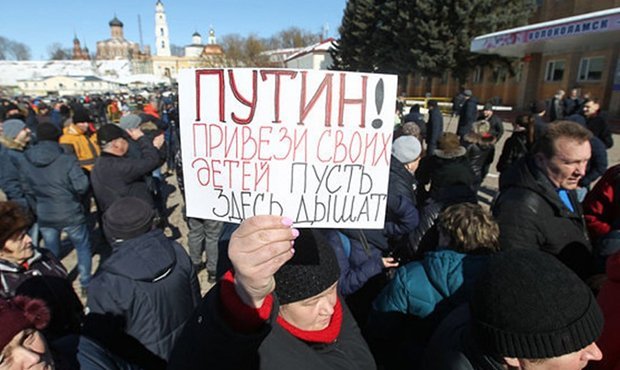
[(312, 270), (127, 218), (48, 132), (108, 133), (81, 115), (529, 305)]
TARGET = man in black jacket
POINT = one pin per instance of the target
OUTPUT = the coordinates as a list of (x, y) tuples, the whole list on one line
[(434, 126), (115, 175), (141, 296), (537, 206), (468, 114)]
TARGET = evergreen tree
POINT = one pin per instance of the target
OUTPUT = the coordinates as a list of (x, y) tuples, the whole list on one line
[(424, 36), (354, 51)]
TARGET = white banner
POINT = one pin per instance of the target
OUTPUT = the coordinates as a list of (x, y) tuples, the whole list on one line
[(310, 145)]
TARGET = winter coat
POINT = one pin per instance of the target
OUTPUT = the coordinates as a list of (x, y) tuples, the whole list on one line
[(208, 341), (467, 116), (434, 286), (609, 341), (401, 216), (600, 129), (496, 125), (556, 109), (45, 278), (85, 148), (515, 148), (531, 214), (571, 106), (10, 182), (442, 172), (117, 177), (148, 285), (14, 153), (597, 165), (480, 157), (453, 346), (57, 182), (357, 263), (601, 207), (434, 129)]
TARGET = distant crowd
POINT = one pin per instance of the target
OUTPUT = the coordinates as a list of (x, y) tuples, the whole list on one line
[(530, 282)]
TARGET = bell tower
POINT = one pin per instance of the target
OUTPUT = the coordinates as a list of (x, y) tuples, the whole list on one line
[(162, 39)]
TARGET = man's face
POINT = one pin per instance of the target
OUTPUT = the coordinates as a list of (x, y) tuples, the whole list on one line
[(590, 109), (487, 113), (314, 313), (571, 361), (82, 126), (568, 164), (23, 136), (122, 146), (573, 93)]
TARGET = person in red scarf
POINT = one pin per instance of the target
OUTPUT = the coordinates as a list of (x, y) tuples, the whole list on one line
[(277, 308)]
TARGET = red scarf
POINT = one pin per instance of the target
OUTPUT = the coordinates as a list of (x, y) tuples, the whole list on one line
[(327, 335), (246, 319)]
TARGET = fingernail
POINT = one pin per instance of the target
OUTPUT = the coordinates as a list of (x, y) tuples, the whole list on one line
[(287, 221), (292, 250), (295, 233)]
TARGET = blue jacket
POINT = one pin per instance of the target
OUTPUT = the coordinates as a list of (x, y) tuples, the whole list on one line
[(57, 182), (419, 287), (9, 179), (357, 265)]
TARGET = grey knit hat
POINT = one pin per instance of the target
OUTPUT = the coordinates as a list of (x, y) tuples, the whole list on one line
[(406, 149), (130, 121), (527, 304), (12, 127), (312, 270)]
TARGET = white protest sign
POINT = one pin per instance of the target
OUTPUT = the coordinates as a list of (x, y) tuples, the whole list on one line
[(310, 145)]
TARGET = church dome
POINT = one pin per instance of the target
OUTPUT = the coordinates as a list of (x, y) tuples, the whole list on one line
[(196, 34), (115, 22)]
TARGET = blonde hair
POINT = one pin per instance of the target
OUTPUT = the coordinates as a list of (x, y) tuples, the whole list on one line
[(469, 227)]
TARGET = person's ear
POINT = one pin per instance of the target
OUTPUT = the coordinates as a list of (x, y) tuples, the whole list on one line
[(540, 160), (512, 362)]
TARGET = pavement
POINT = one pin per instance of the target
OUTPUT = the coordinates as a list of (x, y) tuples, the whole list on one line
[(175, 201)]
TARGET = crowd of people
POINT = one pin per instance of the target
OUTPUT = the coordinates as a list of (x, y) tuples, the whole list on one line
[(530, 282)]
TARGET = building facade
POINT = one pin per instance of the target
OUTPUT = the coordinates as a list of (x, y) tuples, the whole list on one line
[(66, 86), (117, 47), (567, 44)]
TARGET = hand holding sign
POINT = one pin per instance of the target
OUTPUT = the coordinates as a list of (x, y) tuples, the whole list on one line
[(257, 249)]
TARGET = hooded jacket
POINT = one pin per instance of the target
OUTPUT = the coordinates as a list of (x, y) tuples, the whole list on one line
[(531, 214), (144, 292), (57, 182)]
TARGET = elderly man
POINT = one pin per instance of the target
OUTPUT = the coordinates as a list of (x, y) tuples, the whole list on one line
[(115, 175), (537, 206)]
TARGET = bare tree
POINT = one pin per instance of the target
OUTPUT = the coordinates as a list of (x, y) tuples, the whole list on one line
[(293, 37), (56, 52), (13, 50)]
